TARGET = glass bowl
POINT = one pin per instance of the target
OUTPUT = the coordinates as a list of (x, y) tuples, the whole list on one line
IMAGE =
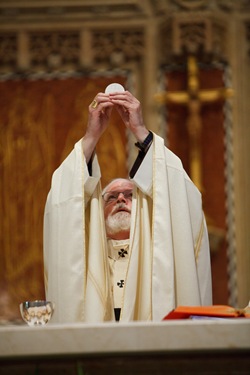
[(36, 312)]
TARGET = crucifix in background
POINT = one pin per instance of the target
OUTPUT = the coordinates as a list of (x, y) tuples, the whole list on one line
[(194, 98)]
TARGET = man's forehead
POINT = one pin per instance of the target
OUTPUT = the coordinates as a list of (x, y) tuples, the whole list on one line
[(120, 185)]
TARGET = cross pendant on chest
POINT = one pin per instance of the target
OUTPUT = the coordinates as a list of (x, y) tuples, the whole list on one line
[(122, 253)]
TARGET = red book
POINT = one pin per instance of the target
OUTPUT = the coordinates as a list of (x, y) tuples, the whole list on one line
[(218, 311)]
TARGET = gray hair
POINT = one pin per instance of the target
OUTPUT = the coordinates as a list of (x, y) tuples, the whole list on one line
[(112, 181)]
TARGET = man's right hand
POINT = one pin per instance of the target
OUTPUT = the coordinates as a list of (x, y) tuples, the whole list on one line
[(98, 121)]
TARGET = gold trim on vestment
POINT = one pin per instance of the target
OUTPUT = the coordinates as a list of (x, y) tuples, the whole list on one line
[(84, 231), (199, 240)]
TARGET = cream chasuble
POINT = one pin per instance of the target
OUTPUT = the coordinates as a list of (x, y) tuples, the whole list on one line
[(169, 260)]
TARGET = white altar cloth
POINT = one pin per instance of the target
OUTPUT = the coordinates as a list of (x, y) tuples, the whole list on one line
[(138, 337)]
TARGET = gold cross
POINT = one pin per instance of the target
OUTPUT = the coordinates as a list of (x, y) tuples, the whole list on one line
[(194, 98)]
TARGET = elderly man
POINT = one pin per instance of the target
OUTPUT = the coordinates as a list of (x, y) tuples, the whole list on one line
[(134, 251)]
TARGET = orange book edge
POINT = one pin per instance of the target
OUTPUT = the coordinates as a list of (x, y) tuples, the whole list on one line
[(220, 311)]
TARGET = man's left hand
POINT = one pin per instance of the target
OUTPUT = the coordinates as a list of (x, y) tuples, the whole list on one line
[(130, 111)]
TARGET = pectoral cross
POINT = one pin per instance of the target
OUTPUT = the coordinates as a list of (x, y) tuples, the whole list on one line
[(194, 98)]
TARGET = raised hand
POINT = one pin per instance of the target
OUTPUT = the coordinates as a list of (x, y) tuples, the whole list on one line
[(130, 111), (99, 115)]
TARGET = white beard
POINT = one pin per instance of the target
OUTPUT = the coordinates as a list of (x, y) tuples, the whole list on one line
[(118, 222)]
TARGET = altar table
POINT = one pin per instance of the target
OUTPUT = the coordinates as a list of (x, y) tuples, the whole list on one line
[(168, 347)]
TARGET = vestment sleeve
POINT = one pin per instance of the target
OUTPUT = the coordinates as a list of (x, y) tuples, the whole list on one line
[(72, 178), (144, 174), (66, 239)]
